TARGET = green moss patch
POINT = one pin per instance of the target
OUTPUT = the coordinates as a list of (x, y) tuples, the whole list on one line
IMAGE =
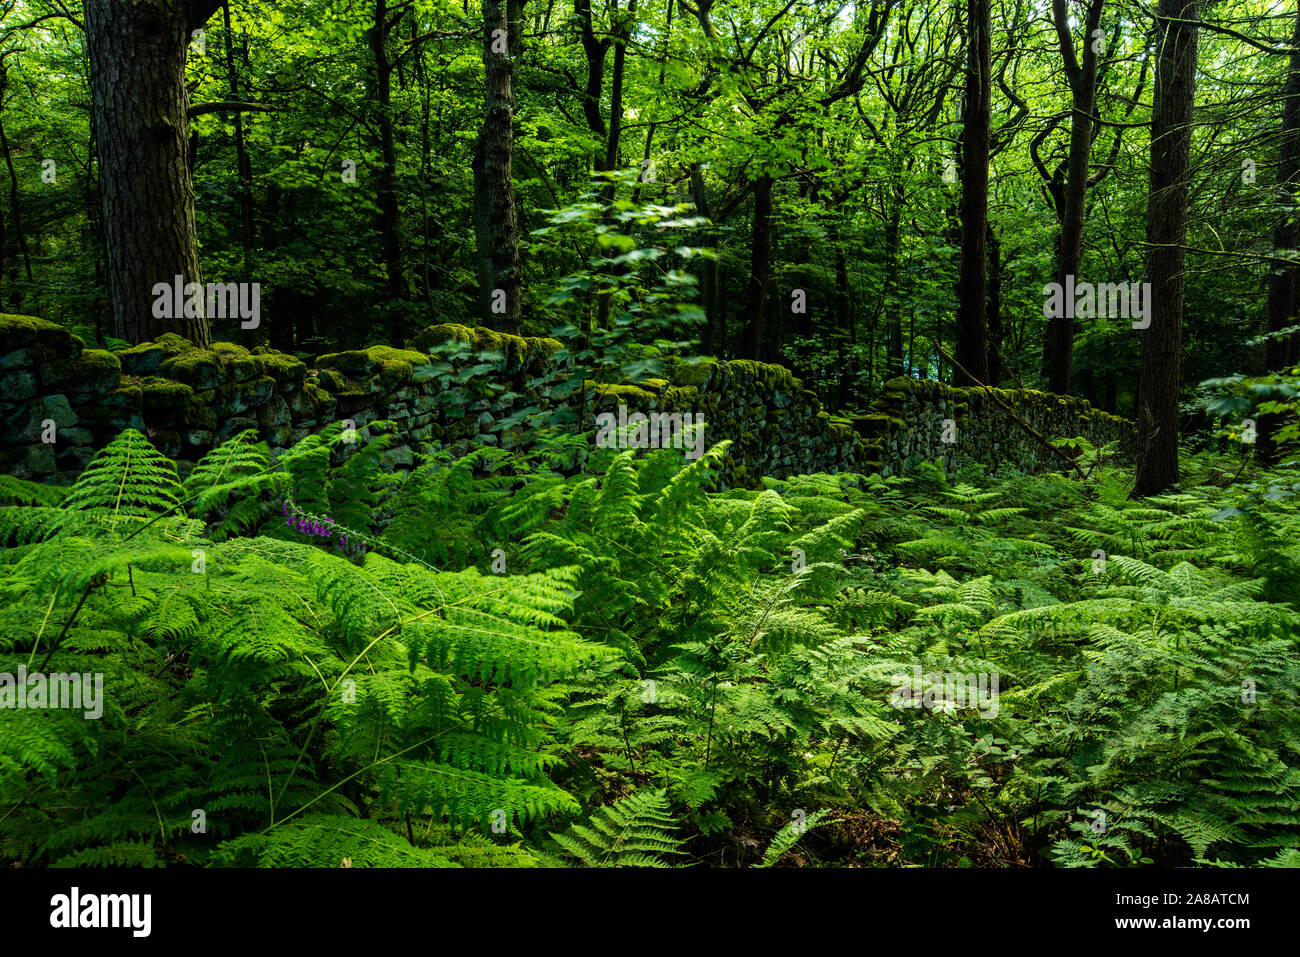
[(391, 365), (770, 376), (23, 330), (517, 351), (279, 365), (628, 394), (92, 371)]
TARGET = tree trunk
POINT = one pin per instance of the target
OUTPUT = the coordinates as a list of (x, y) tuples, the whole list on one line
[(243, 166), (893, 307), (972, 329), (1083, 94), (496, 218), (843, 321), (388, 213), (1171, 138), (137, 72), (760, 266), (621, 34), (995, 308), (708, 265), (1279, 353)]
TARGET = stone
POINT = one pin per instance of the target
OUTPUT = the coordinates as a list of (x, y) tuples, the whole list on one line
[(197, 368), (16, 331), (147, 357), (74, 459), (164, 401), (40, 460), (29, 423), (76, 436), (18, 385), (233, 426), (397, 457), (28, 357), (275, 421), (94, 372)]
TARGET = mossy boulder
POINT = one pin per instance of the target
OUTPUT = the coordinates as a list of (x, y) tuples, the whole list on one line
[(692, 372), (392, 366), (17, 332), (765, 374), (17, 385), (92, 372), (516, 352), (147, 357), (200, 368), (285, 369), (164, 401), (200, 412), (235, 362), (274, 420), (331, 380), (633, 396), (684, 398), (841, 432)]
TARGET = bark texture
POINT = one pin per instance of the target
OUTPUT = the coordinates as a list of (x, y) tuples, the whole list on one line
[(137, 73), (972, 325), (1162, 341), (496, 217)]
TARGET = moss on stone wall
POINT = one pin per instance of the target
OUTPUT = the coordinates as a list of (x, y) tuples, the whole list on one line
[(393, 366), (633, 396), (768, 375), (518, 352), (191, 399), (92, 371)]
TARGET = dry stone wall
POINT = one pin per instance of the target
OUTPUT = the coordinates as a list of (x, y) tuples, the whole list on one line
[(920, 421), (461, 386)]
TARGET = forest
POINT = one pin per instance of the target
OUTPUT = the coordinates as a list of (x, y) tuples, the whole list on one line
[(650, 433)]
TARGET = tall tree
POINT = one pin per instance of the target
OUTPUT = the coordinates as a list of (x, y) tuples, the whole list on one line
[(1280, 351), (387, 216), (1166, 233), (972, 322), (137, 70), (496, 216), (1082, 77)]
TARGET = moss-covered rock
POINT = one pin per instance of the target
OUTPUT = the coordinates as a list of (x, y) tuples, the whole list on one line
[(692, 372), (765, 374), (235, 362), (331, 381), (147, 357), (517, 352), (280, 366), (18, 331), (392, 366), (605, 393), (682, 398), (17, 385), (94, 371), (164, 401), (200, 368)]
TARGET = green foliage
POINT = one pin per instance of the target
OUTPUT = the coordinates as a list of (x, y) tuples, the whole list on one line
[(634, 832), (637, 670)]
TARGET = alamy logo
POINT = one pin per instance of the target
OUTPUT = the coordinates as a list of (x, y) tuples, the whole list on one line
[(102, 910), (658, 430), (947, 691), (1107, 300), (218, 300), (75, 692)]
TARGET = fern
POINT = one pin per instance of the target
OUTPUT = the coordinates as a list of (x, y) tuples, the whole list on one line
[(636, 831)]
